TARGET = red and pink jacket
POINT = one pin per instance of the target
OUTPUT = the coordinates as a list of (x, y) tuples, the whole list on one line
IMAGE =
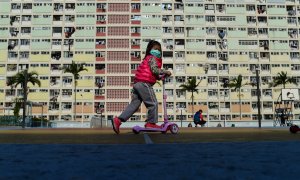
[(144, 73)]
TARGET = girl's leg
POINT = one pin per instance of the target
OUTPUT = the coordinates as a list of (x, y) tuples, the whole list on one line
[(147, 94), (132, 107)]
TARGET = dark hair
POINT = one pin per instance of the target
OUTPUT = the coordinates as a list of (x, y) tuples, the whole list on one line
[(150, 46)]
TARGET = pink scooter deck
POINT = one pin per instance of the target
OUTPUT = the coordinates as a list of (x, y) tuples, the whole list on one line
[(165, 127)]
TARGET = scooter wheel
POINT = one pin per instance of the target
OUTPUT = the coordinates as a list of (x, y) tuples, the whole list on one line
[(294, 129), (135, 131), (174, 128)]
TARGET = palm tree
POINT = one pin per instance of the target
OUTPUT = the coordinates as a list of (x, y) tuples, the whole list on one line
[(75, 69), (237, 83), (23, 78), (282, 79), (191, 86)]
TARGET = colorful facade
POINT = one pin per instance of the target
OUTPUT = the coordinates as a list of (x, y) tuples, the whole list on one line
[(213, 40)]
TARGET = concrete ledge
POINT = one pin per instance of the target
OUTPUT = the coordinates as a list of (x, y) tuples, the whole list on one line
[(70, 124), (130, 124), (264, 123)]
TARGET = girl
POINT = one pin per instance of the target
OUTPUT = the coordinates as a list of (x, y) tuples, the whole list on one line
[(146, 75)]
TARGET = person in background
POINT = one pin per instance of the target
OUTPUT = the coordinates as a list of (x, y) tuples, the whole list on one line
[(198, 118)]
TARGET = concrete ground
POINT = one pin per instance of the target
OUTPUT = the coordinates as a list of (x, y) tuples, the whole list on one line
[(202, 153), (107, 136)]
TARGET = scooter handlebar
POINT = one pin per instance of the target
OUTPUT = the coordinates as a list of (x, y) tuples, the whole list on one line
[(162, 76)]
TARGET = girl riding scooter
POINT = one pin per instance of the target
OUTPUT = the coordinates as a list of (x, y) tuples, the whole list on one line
[(146, 76)]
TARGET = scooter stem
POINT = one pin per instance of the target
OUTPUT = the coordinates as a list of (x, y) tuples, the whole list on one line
[(164, 100)]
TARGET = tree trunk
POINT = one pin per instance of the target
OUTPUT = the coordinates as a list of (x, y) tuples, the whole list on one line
[(240, 104), (75, 101), (25, 98), (193, 102)]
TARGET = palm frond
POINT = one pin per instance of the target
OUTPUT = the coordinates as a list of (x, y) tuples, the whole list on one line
[(74, 69), (282, 79)]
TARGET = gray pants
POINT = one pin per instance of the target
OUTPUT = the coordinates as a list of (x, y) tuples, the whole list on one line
[(142, 92)]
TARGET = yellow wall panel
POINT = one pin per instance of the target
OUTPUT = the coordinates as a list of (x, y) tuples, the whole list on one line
[(84, 57), (39, 58), (238, 70), (279, 69), (85, 83), (41, 70), (2, 96), (44, 83), (195, 58), (193, 70), (84, 96), (3, 56), (203, 83), (199, 96), (38, 96), (31, 86), (2, 70), (244, 95), (280, 58), (159, 96), (238, 58), (90, 70), (2, 83)]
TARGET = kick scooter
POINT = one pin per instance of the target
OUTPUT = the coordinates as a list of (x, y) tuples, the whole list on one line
[(166, 124)]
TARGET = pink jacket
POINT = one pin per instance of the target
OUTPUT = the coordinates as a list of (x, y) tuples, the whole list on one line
[(144, 73)]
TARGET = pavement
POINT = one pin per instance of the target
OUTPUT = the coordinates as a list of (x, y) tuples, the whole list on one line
[(202, 153)]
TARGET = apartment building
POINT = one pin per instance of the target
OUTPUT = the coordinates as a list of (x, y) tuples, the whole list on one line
[(212, 40)]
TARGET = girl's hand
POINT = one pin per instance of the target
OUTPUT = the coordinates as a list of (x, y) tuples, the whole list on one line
[(168, 73)]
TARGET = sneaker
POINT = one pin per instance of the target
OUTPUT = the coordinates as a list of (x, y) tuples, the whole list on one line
[(152, 125), (116, 123)]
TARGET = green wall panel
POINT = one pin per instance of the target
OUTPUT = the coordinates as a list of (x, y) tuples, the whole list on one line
[(151, 32), (40, 45), (4, 7), (194, 10), (41, 21), (277, 11), (3, 45), (84, 45), (5, 21), (4, 33), (151, 21), (150, 9), (195, 45), (85, 9), (84, 33), (42, 9)]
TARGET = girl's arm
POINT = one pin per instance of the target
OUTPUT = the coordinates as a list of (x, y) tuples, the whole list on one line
[(154, 68)]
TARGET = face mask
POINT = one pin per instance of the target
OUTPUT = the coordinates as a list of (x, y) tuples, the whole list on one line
[(155, 53)]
